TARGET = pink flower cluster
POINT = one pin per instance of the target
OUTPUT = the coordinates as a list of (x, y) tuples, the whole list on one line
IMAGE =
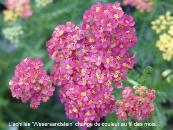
[(31, 82), (21, 8), (87, 103), (89, 57), (141, 5), (136, 102)]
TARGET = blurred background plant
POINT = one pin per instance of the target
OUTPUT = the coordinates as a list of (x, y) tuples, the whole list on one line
[(20, 38), (163, 26)]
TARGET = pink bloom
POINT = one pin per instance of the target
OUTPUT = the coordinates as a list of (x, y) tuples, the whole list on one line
[(127, 92), (136, 102), (141, 5), (85, 104), (64, 41), (21, 8), (31, 82), (89, 57), (67, 66)]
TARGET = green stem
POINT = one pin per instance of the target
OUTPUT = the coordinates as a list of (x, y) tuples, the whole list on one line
[(133, 82)]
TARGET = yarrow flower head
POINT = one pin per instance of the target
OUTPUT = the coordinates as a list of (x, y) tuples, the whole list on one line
[(164, 27), (141, 5), (136, 102), (9, 15), (42, 3), (165, 44), (13, 33), (17, 8), (162, 23), (31, 83), (107, 52), (89, 57), (87, 103)]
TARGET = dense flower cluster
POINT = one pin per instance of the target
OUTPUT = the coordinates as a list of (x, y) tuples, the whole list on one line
[(17, 8), (165, 44), (31, 83), (164, 27), (89, 60), (141, 5), (42, 3), (87, 103), (136, 102), (13, 33), (89, 57), (162, 23)]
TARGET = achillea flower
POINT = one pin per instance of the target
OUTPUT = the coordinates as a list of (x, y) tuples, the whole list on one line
[(162, 23), (87, 103), (13, 33), (9, 15), (165, 44), (141, 5), (42, 3), (136, 102), (65, 40), (31, 83), (89, 57), (70, 42), (17, 8), (164, 27), (111, 32)]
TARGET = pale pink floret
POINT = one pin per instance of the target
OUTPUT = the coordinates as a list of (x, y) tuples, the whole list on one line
[(137, 103), (21, 8), (31, 83), (141, 5)]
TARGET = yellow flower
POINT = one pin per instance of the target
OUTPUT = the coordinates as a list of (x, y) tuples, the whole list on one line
[(163, 26), (165, 44), (162, 23), (10, 16), (17, 8)]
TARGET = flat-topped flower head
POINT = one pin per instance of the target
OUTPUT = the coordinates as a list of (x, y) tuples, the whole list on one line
[(163, 26), (89, 57), (64, 41), (31, 83), (136, 102)]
